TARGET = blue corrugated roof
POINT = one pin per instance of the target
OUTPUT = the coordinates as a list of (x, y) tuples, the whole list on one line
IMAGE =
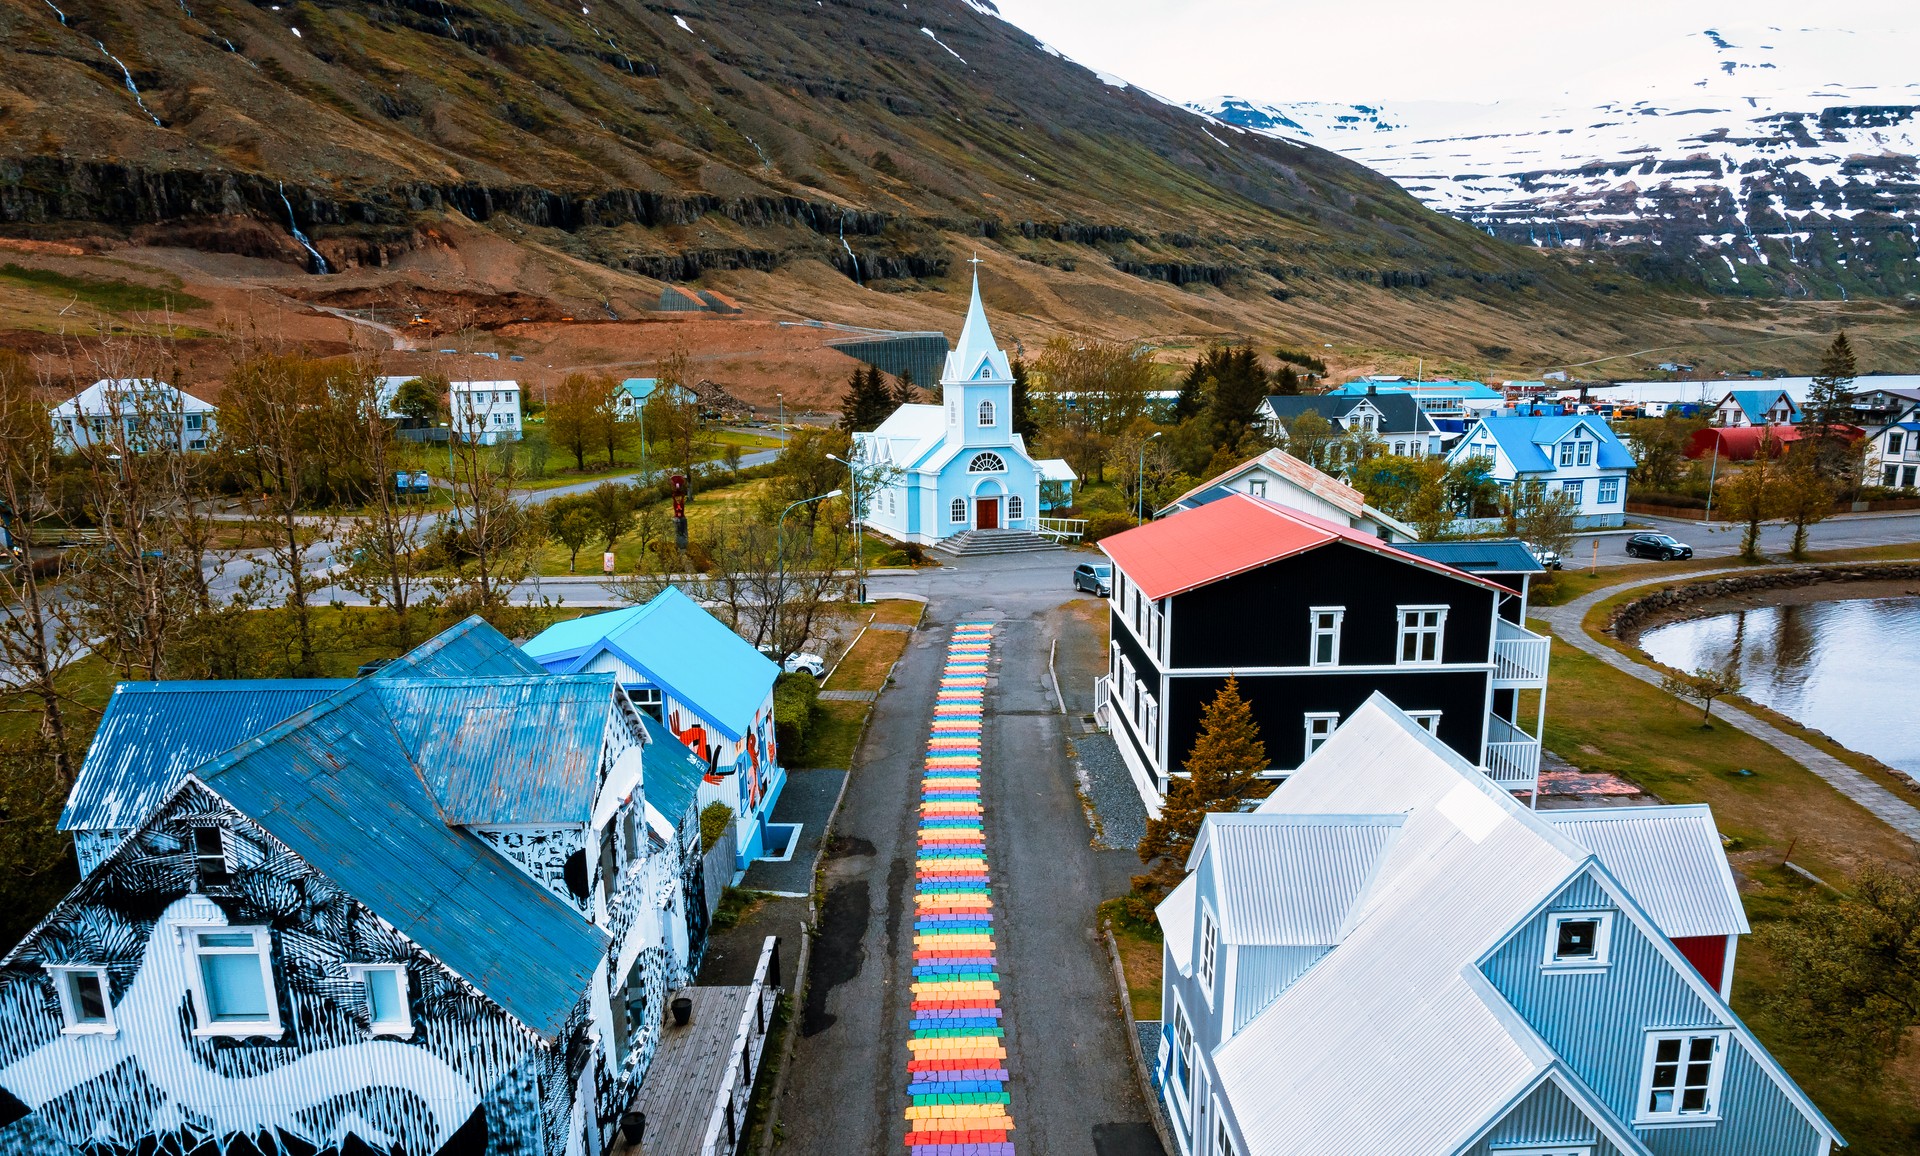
[(472, 647), (680, 647), (1755, 402), (1525, 439), (669, 772), (153, 733), (335, 785), (1492, 556), (505, 750)]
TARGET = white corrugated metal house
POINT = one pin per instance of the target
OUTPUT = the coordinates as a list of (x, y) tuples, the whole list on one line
[(486, 412), (137, 412), (1391, 955)]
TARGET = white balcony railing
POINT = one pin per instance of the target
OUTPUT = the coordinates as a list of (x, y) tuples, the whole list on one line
[(1062, 529), (1519, 657), (1513, 756), (1102, 696)]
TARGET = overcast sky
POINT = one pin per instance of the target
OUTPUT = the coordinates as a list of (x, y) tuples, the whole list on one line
[(1402, 50)]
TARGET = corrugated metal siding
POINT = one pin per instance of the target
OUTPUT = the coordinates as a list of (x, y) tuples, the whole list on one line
[(1670, 860), (341, 793), (1290, 880), (153, 733), (1262, 973), (515, 750), (472, 648), (670, 773), (1755, 1119), (1546, 1116)]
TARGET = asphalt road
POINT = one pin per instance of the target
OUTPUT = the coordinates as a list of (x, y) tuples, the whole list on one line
[(1073, 1087), (1722, 539)]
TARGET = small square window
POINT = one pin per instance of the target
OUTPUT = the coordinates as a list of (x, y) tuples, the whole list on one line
[(1320, 728), (86, 999), (1426, 720), (1578, 940), (385, 991)]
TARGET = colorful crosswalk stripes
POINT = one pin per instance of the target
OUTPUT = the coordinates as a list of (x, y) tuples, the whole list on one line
[(957, 1073)]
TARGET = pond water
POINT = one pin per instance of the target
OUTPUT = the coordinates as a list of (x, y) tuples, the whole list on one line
[(1847, 668)]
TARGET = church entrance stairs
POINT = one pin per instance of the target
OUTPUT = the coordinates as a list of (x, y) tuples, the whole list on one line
[(971, 543)]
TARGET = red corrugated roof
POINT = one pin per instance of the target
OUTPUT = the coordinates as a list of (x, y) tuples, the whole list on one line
[(1234, 535)]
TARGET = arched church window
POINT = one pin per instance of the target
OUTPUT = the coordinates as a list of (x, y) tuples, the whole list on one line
[(986, 463), (958, 510), (986, 413), (1016, 509)]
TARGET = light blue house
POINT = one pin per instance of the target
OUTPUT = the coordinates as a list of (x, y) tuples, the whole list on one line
[(1576, 455), (1390, 954), (956, 466), (682, 667), (633, 394)]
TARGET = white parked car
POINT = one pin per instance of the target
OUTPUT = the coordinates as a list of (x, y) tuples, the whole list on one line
[(800, 661), (1548, 559)]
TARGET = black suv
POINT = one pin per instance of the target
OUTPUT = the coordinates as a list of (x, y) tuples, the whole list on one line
[(1094, 578), (1658, 546)]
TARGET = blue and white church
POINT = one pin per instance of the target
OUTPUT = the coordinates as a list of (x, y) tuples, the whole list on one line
[(959, 465)]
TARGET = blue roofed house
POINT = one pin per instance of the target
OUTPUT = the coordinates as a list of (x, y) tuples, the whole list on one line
[(711, 689), (1756, 407), (1893, 445), (1390, 954), (427, 911), (632, 395), (959, 465), (1576, 455)]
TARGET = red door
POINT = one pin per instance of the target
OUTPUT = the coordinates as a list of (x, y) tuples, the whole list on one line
[(987, 514)]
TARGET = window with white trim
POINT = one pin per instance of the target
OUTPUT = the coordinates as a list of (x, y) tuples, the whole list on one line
[(1422, 632), (1016, 508), (1209, 948), (1426, 720), (86, 998), (1325, 621), (1258, 486), (1566, 453), (1222, 1138), (1578, 940), (986, 463), (384, 987), (986, 413), (1680, 1077), (230, 975), (1609, 491), (1182, 1051), (1320, 728), (957, 510), (1584, 456)]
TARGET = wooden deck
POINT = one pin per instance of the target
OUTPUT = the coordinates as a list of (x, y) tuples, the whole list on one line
[(683, 1083)]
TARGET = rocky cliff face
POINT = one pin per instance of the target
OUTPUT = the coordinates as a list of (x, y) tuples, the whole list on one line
[(1744, 169)]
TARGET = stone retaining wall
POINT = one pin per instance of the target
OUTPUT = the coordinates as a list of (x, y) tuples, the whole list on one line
[(1630, 617)]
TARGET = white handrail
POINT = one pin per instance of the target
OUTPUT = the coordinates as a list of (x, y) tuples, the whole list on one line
[(743, 1060)]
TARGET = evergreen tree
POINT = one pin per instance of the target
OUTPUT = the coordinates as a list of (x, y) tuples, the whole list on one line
[(1286, 381), (1023, 423), (1239, 386), (1830, 407), (1194, 390), (905, 392), (1222, 775), (867, 402)]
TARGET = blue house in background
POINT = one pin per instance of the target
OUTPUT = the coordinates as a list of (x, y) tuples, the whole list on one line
[(1742, 407), (711, 690), (1390, 954), (634, 393), (1578, 456)]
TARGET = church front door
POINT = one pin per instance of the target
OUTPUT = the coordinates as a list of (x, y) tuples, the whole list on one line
[(987, 514)]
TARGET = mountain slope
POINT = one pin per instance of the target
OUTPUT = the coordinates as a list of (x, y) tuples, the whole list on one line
[(1766, 161)]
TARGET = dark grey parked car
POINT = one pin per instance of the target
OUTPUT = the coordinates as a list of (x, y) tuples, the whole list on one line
[(1094, 578), (1658, 546)]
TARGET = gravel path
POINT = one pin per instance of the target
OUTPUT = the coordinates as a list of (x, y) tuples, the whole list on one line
[(1104, 778)]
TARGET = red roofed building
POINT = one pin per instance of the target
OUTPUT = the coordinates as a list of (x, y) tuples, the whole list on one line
[(1312, 617)]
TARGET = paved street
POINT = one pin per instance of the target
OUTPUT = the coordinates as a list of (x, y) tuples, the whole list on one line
[(1072, 1085), (1720, 539)]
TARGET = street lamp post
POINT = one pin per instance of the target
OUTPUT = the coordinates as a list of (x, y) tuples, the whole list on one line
[(782, 399), (780, 560), (859, 522), (1140, 481)]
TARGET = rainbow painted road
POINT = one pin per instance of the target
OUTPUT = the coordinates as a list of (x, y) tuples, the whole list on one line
[(957, 1065)]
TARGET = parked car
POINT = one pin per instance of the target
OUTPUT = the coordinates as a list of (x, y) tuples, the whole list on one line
[(1547, 558), (800, 661), (1094, 578), (1661, 546)]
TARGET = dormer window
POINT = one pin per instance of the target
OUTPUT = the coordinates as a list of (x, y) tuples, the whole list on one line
[(1578, 940), (1566, 453)]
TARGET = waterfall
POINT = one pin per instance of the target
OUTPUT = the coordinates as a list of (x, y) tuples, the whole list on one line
[(849, 248), (319, 262), (57, 12), (128, 75)]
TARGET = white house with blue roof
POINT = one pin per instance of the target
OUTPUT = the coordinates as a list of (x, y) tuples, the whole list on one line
[(1745, 407), (709, 687), (431, 910), (1390, 954), (1576, 455), (957, 466)]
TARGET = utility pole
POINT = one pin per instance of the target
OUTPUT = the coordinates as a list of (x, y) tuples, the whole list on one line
[(859, 541)]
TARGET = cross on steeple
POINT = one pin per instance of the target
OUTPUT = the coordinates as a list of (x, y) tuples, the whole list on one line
[(975, 260)]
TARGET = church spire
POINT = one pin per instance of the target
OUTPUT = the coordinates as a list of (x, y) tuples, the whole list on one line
[(976, 338)]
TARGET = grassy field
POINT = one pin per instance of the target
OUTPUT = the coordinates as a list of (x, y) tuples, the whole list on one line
[(702, 509), (836, 727), (561, 470), (867, 665), (101, 293)]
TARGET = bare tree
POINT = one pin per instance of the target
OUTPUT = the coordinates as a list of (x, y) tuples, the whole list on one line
[(489, 538), (1703, 686), (383, 545)]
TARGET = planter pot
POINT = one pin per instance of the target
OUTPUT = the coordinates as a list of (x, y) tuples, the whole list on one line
[(682, 1011), (633, 1125)]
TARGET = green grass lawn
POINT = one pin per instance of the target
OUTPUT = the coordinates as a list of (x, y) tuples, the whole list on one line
[(836, 726), (702, 509), (102, 293)]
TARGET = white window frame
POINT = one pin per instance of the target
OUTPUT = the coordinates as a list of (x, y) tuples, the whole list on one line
[(402, 1027), (1426, 720), (1016, 508), (1183, 1055), (974, 465), (1602, 956), (204, 1024), (71, 1024), (1438, 631), (1566, 453), (1583, 452), (1609, 491), (1258, 486), (1223, 1144), (1316, 632), (1315, 740), (986, 414), (1209, 951), (957, 511), (1644, 1116)]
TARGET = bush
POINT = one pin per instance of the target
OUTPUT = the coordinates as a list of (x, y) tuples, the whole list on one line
[(794, 699), (1105, 525), (915, 552), (1670, 501), (893, 558), (714, 819)]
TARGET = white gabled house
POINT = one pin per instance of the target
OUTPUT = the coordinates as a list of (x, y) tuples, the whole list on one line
[(1893, 449), (138, 412), (1756, 407), (487, 412), (1576, 455), (1391, 955), (1278, 476)]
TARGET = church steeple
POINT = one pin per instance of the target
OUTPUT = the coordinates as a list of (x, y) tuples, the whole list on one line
[(976, 345)]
